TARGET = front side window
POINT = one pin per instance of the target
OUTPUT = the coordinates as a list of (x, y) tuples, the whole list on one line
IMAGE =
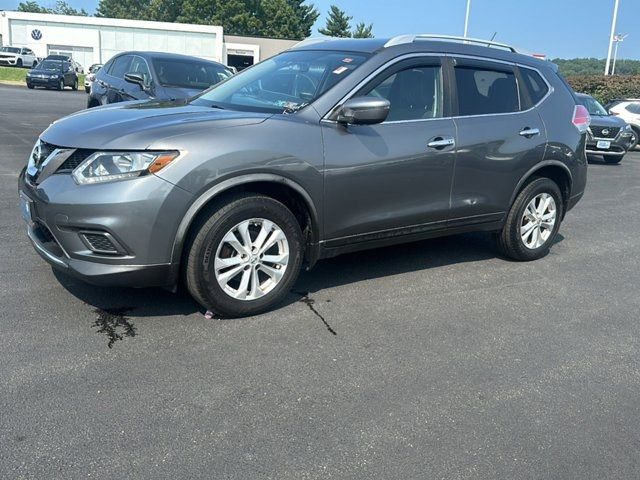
[(139, 65), (414, 93), (483, 91), (286, 82), (120, 66)]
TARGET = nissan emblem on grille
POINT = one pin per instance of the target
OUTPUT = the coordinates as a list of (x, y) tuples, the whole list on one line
[(605, 131)]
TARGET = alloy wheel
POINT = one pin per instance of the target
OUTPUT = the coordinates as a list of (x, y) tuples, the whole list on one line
[(251, 259), (538, 221)]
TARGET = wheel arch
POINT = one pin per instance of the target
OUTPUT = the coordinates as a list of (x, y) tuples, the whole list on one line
[(552, 169), (281, 188)]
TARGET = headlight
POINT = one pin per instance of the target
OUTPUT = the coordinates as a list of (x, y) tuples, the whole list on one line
[(110, 166)]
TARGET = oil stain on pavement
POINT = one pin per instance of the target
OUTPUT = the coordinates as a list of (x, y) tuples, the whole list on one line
[(113, 323), (310, 302)]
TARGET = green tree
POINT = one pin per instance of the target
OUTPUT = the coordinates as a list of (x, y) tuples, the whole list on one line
[(268, 18), (363, 30), (61, 8), (337, 24), (128, 9)]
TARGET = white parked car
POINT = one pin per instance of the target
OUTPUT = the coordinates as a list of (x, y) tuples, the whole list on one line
[(17, 57), (91, 76), (628, 110)]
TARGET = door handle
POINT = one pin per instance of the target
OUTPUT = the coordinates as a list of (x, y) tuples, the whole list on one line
[(529, 132), (439, 143)]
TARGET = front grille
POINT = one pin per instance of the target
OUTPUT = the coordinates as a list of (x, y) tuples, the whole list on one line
[(76, 158), (100, 243), (605, 132)]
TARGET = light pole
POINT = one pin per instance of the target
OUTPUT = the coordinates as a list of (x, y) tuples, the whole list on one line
[(618, 38), (466, 18), (613, 29)]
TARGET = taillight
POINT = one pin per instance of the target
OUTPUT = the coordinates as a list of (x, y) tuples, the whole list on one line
[(581, 118)]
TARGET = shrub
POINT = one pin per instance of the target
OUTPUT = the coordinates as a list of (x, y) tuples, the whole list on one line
[(606, 88)]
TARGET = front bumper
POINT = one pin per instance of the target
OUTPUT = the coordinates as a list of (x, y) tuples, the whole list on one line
[(140, 215), (8, 61), (43, 82), (618, 146)]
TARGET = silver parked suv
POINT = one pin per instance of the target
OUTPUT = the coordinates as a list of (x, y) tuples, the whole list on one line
[(330, 147)]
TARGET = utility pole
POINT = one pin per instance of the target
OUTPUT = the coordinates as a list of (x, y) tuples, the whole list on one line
[(466, 18), (618, 38), (613, 29)]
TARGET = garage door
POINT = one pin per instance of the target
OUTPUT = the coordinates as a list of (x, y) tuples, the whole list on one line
[(82, 55)]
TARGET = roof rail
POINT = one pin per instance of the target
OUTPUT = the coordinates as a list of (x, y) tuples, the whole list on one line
[(402, 39)]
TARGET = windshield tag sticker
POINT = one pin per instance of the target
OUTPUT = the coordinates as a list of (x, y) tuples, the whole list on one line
[(340, 70), (347, 60)]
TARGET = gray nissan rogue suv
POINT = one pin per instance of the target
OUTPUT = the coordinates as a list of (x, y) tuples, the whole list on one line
[(330, 147)]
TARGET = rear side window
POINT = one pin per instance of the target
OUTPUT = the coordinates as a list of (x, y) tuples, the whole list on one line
[(534, 84), (484, 91), (414, 93), (120, 66), (633, 108)]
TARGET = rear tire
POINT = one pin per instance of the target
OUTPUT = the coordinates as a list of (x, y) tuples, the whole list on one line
[(510, 240), (34, 64), (87, 90), (210, 247)]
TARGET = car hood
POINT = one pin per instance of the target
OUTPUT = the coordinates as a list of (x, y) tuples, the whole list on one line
[(607, 121), (40, 71), (138, 125)]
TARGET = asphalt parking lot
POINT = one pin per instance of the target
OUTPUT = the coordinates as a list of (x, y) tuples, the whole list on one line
[(436, 359)]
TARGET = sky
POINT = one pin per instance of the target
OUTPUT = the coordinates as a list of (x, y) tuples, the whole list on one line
[(558, 28)]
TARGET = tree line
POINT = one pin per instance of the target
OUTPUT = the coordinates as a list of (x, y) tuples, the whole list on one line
[(595, 66), (292, 19)]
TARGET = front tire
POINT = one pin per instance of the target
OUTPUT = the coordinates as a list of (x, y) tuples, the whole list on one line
[(19, 63), (61, 85), (245, 257), (29, 86), (74, 87), (533, 221)]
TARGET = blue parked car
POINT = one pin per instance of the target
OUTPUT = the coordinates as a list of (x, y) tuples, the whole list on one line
[(151, 75)]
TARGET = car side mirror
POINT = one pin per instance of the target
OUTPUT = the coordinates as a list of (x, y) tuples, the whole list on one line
[(364, 111), (136, 78)]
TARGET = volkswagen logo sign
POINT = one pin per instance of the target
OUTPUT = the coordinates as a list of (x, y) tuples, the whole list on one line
[(605, 131), (36, 34)]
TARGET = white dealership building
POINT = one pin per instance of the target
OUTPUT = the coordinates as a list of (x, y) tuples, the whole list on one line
[(95, 40)]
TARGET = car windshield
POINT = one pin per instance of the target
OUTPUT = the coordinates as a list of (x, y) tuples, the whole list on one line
[(286, 82), (188, 73), (10, 49), (594, 107), (50, 65)]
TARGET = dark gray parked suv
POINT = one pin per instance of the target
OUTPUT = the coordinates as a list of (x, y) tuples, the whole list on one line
[(330, 147)]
